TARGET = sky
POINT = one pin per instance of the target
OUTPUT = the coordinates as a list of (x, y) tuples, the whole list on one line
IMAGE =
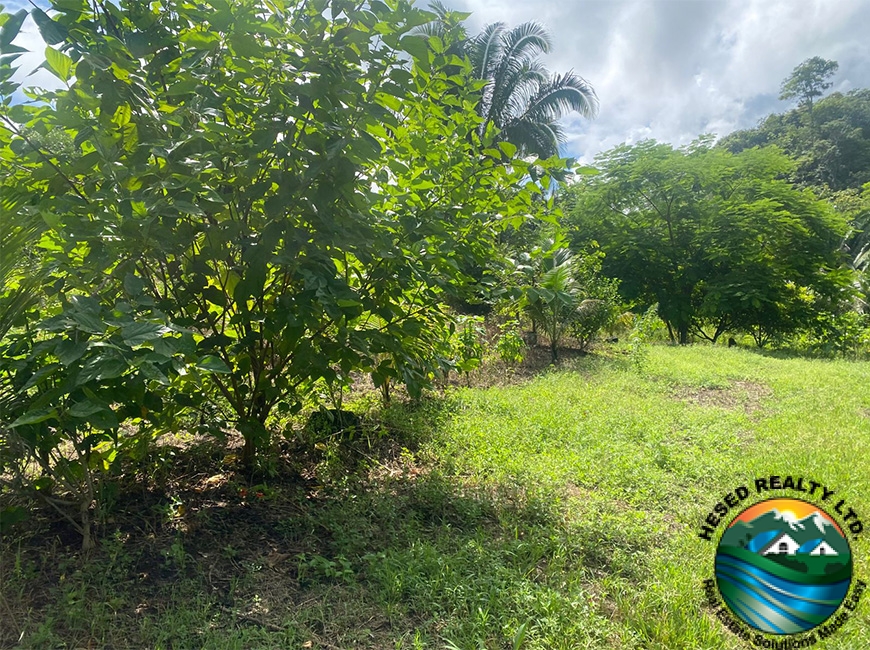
[(663, 69), (674, 69)]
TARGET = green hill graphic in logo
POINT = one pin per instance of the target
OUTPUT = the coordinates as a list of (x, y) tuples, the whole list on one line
[(783, 566)]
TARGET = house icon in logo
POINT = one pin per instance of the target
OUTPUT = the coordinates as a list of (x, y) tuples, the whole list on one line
[(823, 549), (784, 544)]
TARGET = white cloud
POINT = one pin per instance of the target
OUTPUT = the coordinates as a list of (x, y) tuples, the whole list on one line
[(674, 69)]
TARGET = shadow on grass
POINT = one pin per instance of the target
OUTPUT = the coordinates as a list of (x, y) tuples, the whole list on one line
[(358, 544)]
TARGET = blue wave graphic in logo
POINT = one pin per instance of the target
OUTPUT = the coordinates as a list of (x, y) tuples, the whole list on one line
[(771, 603)]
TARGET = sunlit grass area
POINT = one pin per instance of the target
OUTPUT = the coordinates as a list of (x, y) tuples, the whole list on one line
[(561, 512), (637, 460)]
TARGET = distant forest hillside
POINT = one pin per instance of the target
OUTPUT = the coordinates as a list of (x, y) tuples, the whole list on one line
[(830, 140)]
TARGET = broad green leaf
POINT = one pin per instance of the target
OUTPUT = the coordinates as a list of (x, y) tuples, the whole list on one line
[(85, 408), (213, 364), (111, 368), (245, 46), (59, 63), (509, 149), (150, 371), (416, 46), (51, 219), (89, 322), (34, 417), (68, 352), (201, 40), (39, 375), (104, 419), (52, 31), (122, 115), (133, 284), (139, 333), (11, 28)]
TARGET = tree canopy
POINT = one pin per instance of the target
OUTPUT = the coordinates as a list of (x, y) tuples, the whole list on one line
[(829, 139), (808, 80), (718, 240)]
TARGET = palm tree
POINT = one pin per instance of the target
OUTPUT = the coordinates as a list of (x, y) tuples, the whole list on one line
[(521, 97), (552, 301)]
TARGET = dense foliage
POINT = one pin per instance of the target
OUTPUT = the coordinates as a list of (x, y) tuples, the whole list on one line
[(720, 241), (830, 140), (246, 201), (231, 211)]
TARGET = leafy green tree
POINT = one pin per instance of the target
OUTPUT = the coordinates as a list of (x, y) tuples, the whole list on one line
[(468, 344), (564, 292), (717, 240), (600, 304), (510, 345), (808, 81), (66, 386), (275, 181), (855, 206)]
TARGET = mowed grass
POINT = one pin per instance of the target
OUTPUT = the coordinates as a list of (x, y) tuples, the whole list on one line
[(637, 460), (560, 513)]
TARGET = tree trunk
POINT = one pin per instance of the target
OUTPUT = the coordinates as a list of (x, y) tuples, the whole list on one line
[(721, 328), (87, 539), (249, 452), (254, 431)]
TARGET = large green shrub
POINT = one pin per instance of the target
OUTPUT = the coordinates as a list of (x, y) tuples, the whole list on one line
[(295, 186)]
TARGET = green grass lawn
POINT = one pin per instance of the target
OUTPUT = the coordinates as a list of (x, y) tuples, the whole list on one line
[(560, 513)]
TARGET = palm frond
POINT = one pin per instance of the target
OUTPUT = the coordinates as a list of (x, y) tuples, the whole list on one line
[(440, 9), (561, 95), (517, 88), (435, 28), (516, 47), (446, 26), (535, 138), (485, 50), (520, 98), (20, 230), (526, 41)]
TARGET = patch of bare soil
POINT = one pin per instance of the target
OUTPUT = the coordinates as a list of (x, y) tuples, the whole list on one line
[(747, 395), (494, 372)]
